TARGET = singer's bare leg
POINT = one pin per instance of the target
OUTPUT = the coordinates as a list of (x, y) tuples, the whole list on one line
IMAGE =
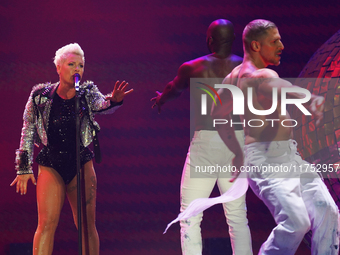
[(50, 199), (91, 243)]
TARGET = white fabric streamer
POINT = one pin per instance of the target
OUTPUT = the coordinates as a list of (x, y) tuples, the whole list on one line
[(199, 205)]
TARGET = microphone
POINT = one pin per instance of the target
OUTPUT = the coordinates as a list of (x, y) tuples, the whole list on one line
[(76, 81)]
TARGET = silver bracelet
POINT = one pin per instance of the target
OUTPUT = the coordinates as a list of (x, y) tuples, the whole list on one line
[(26, 171)]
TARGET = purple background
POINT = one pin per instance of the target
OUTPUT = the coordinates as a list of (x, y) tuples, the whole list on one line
[(143, 42)]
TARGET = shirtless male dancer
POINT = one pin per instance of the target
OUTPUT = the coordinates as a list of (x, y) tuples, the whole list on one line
[(298, 200), (207, 143)]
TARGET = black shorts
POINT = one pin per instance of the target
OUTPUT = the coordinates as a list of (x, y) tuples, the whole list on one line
[(64, 162)]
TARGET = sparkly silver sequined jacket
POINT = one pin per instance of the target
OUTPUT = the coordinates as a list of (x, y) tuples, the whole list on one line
[(36, 117)]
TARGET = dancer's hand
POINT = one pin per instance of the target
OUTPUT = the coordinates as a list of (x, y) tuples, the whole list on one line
[(238, 163), (317, 106), (21, 181), (157, 101)]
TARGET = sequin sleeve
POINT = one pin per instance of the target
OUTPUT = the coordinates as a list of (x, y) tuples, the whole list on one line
[(97, 101), (24, 155)]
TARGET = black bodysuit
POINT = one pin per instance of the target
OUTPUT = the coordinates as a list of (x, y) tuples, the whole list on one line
[(60, 153)]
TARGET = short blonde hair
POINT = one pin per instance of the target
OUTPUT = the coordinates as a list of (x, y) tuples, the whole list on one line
[(62, 53)]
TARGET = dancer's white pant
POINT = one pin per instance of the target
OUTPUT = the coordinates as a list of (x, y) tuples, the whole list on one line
[(208, 149), (298, 199)]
